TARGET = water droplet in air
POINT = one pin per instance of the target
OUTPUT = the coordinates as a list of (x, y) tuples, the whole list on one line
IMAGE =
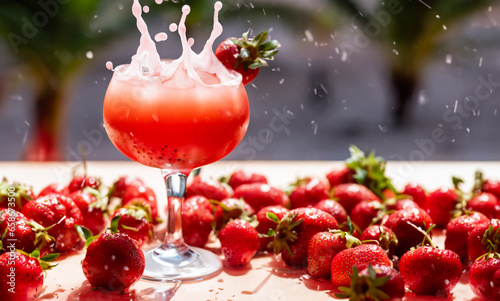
[(314, 126), (161, 36), (145, 9), (172, 27), (109, 65), (449, 58), (309, 35), (89, 55)]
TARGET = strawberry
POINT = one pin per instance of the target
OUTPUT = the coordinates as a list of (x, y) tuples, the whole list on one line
[(68, 239), (401, 202), (377, 282), (231, 208), (113, 260), (416, 192), (484, 238), (367, 213), (247, 55), (340, 176), (440, 205), (120, 185), (401, 222), (265, 224), (211, 189), (458, 230), (93, 208), (484, 277), (197, 219), (141, 195), (349, 195), (482, 184), (382, 236), (15, 195), (427, 270), (323, 247), (259, 195), (369, 170), (241, 177), (239, 242), (21, 275), (54, 188), (307, 192), (135, 222), (295, 230), (17, 232), (80, 182), (362, 255), (334, 208), (48, 211), (486, 203)]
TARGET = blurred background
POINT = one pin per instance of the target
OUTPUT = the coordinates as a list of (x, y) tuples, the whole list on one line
[(412, 80)]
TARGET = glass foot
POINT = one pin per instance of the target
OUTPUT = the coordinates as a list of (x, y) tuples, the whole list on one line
[(180, 263)]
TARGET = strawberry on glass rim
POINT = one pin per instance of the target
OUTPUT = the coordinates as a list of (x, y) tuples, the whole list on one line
[(247, 55)]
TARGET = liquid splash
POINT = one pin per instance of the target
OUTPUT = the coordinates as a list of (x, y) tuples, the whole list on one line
[(190, 69)]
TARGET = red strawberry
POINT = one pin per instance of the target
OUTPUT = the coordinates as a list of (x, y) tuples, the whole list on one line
[(48, 211), (54, 188), (377, 282), (334, 208), (486, 203), (211, 189), (135, 222), (149, 205), (239, 242), (93, 209), (362, 255), (430, 271), (490, 185), (113, 261), (295, 230), (458, 230), (323, 247), (401, 203), (246, 55), (484, 278), (19, 233), (349, 195), (266, 224), (382, 236), (21, 275), (401, 223), (484, 238), (15, 195), (120, 185), (231, 208), (340, 176), (80, 182), (241, 177), (367, 213), (417, 192), (259, 195), (440, 205), (197, 219), (68, 239), (307, 192)]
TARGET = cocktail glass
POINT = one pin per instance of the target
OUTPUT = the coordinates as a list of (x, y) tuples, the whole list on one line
[(175, 128)]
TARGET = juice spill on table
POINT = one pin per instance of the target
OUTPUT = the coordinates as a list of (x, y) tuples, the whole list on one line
[(175, 114)]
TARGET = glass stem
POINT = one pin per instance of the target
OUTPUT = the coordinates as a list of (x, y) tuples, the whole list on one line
[(176, 188)]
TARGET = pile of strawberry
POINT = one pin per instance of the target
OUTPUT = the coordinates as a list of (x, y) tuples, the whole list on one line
[(111, 222), (354, 227)]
